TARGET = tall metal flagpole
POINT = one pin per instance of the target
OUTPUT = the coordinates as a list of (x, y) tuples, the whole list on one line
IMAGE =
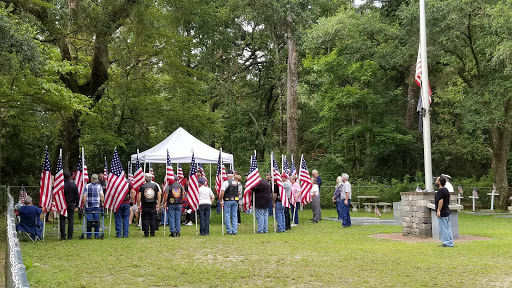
[(427, 155)]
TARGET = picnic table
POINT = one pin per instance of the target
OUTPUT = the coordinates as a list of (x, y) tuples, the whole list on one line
[(367, 207)]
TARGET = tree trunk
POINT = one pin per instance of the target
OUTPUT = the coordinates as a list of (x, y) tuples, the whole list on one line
[(500, 152), (291, 96), (69, 141), (412, 96)]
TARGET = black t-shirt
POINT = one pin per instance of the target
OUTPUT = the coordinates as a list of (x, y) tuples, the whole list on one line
[(71, 193), (445, 195), (262, 194)]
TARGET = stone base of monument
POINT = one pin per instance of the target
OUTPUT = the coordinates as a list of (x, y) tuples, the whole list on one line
[(510, 208), (454, 220)]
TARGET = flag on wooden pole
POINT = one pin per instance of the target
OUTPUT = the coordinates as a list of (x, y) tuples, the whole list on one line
[(117, 185), (61, 205), (193, 185), (45, 185), (138, 176), (252, 179), (169, 173), (221, 174), (105, 171), (276, 177), (305, 182)]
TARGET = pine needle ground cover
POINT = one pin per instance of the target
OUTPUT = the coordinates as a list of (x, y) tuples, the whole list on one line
[(310, 255)]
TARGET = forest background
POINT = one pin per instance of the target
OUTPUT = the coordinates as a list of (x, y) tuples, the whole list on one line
[(326, 78)]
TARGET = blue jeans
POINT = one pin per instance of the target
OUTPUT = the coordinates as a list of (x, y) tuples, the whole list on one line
[(230, 216), (345, 214), (445, 231), (122, 216), (204, 218), (92, 217), (271, 209), (262, 218), (339, 209), (174, 217), (281, 225), (218, 207), (295, 211)]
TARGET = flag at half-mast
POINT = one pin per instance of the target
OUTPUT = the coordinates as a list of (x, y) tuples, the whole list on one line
[(61, 205), (221, 175), (169, 173), (117, 185), (418, 76), (193, 186), (276, 178), (138, 176), (80, 181), (252, 179), (45, 186), (305, 182)]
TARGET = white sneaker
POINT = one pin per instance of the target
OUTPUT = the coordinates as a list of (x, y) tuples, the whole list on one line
[(292, 225), (189, 223)]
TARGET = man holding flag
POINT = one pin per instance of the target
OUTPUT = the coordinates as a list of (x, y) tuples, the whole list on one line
[(173, 199), (262, 199), (228, 198)]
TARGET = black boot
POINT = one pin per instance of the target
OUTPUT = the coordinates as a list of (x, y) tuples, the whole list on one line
[(178, 234), (172, 234)]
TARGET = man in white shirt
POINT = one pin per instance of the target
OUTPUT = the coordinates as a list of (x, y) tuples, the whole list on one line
[(448, 185), (315, 201), (345, 196)]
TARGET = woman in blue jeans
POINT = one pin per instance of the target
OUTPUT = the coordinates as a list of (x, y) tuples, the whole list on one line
[(336, 196)]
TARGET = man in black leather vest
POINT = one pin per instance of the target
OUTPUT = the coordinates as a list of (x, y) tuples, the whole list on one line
[(149, 200), (173, 198), (229, 200)]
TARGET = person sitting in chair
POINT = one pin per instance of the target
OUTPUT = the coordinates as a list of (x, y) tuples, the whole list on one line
[(29, 219)]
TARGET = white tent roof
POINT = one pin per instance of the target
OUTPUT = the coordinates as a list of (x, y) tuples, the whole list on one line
[(180, 145)]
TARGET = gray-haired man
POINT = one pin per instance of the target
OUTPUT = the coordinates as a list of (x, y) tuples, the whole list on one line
[(345, 196)]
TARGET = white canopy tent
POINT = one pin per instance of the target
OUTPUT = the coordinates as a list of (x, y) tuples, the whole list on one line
[(180, 145)]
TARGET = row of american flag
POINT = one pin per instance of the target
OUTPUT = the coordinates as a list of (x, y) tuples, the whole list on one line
[(51, 196)]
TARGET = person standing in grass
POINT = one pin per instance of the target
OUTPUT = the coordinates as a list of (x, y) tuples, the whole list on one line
[(315, 200), (173, 198), (262, 200), (206, 198), (295, 200), (229, 199), (72, 200), (149, 199), (122, 216), (287, 189), (319, 183), (442, 199), (336, 196), (345, 196), (279, 208)]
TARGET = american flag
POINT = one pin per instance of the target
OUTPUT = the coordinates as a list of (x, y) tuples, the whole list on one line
[(23, 194), (475, 193), (169, 173), (293, 171), (305, 182), (45, 194), (193, 186), (58, 190), (203, 174), (252, 179), (86, 174), (417, 77), (138, 176), (105, 171), (117, 186), (181, 176), (80, 180), (286, 167), (152, 172), (130, 174), (276, 177), (221, 175), (460, 190)]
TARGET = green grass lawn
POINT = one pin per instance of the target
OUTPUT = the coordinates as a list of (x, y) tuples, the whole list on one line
[(309, 255)]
